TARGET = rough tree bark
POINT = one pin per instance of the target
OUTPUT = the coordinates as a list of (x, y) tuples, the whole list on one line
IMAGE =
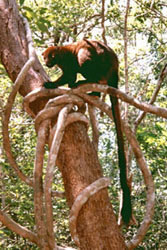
[(77, 160)]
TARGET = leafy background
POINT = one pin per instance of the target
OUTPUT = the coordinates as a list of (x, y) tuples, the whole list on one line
[(61, 22)]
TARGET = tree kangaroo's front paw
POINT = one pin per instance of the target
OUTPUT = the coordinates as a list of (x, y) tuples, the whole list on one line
[(50, 85)]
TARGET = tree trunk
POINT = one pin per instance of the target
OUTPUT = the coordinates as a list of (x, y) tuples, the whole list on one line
[(78, 162), (96, 226)]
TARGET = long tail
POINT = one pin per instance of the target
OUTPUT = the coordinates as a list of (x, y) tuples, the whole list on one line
[(126, 211)]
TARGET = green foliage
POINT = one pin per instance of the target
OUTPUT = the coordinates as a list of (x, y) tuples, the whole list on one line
[(64, 21), (58, 21), (21, 2)]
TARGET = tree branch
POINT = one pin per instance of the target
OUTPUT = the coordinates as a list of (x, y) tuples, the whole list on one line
[(94, 123), (81, 199), (162, 112), (119, 94), (38, 185), (156, 91), (60, 127), (13, 226), (126, 54), (7, 112), (149, 188), (103, 21)]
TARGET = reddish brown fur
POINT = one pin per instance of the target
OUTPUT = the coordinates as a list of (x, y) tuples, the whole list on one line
[(94, 60), (98, 64)]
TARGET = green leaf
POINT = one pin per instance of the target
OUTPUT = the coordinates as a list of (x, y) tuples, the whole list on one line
[(27, 8), (42, 26), (21, 2)]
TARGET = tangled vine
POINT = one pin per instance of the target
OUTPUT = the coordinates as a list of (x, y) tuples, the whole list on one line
[(74, 96)]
